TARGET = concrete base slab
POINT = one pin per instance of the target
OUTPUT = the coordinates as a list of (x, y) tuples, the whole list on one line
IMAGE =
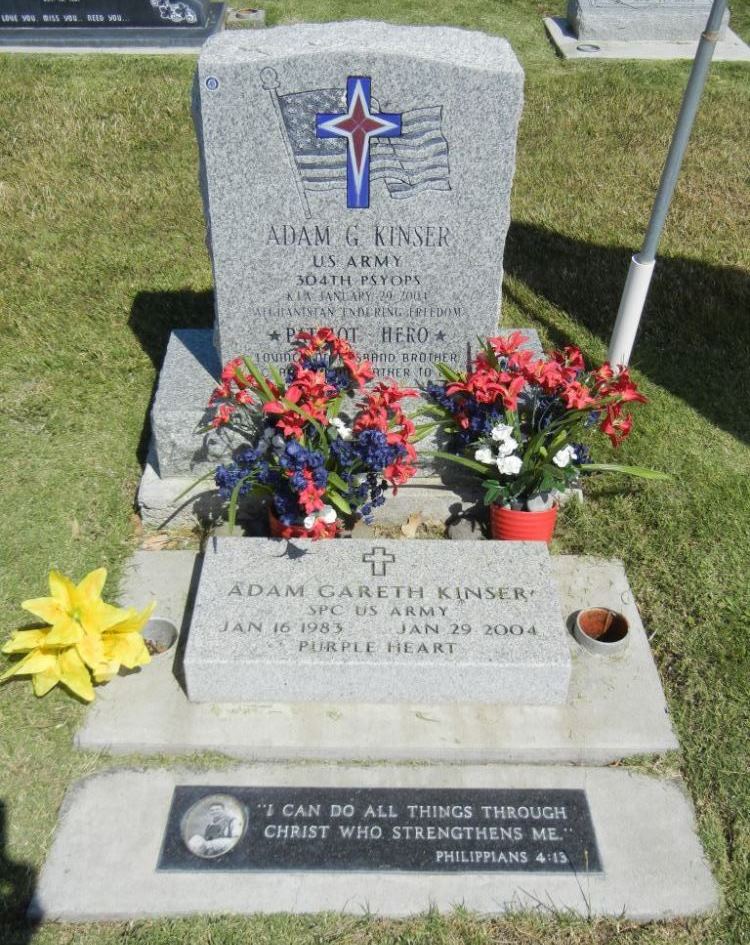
[(731, 49), (615, 708), (112, 825)]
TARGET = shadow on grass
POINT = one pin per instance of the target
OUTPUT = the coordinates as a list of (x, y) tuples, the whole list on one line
[(17, 882), (153, 316), (694, 339)]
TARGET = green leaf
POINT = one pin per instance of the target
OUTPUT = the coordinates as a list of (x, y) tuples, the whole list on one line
[(461, 460), (642, 472), (259, 379), (339, 501), (448, 373), (429, 410), (335, 405), (276, 375), (421, 431), (337, 481), (233, 501)]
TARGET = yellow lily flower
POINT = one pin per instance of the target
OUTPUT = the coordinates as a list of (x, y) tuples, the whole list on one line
[(123, 644), (86, 637), (74, 610), (49, 666)]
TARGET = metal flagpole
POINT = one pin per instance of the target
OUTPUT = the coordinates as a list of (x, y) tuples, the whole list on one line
[(642, 264)]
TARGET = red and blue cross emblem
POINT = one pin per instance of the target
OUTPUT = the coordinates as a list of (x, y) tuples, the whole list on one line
[(358, 125)]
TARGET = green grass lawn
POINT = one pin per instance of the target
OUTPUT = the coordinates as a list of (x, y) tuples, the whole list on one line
[(102, 253)]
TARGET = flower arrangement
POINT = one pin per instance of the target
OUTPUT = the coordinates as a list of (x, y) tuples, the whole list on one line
[(318, 443), (86, 641), (517, 420)]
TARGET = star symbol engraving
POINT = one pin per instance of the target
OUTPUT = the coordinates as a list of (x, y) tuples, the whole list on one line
[(273, 335)]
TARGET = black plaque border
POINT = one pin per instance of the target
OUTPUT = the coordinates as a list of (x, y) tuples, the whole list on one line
[(175, 857)]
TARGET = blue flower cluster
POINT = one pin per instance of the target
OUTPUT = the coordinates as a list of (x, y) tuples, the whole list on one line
[(296, 460), (370, 451), (360, 462), (583, 454), (482, 417), (251, 468)]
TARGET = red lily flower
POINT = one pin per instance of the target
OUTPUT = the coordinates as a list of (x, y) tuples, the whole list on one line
[(507, 345), (615, 426), (576, 396), (223, 415)]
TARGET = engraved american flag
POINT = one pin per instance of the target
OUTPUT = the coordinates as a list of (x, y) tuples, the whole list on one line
[(415, 161)]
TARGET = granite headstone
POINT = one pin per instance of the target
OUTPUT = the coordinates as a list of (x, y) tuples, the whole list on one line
[(105, 22), (376, 621), (358, 175), (646, 20)]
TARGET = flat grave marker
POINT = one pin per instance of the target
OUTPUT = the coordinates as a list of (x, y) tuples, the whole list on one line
[(376, 621), (630, 841)]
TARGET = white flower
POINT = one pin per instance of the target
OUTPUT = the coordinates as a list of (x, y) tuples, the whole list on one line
[(563, 457), (509, 465), (506, 447), (484, 455), (501, 431), (327, 514), (343, 430)]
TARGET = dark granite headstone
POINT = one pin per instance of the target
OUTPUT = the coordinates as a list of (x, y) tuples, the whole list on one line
[(376, 829), (109, 22)]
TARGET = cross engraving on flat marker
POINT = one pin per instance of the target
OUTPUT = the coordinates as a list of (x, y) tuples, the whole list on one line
[(378, 559)]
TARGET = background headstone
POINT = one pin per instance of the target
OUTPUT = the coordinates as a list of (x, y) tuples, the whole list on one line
[(105, 22), (358, 175), (666, 20)]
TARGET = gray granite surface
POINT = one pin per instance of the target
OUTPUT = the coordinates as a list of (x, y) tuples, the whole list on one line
[(376, 621), (102, 865), (633, 20), (179, 416), (410, 274), (615, 706)]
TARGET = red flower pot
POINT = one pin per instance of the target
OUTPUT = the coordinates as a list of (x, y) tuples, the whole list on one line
[(279, 530), (510, 525)]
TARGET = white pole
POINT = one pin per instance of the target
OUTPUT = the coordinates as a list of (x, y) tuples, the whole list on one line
[(642, 266), (631, 307)]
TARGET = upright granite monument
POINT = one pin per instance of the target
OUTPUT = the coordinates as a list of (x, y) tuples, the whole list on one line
[(675, 21), (358, 175), (354, 175), (109, 22)]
